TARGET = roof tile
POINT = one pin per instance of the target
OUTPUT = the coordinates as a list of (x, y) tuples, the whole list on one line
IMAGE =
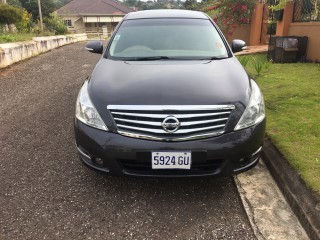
[(83, 7)]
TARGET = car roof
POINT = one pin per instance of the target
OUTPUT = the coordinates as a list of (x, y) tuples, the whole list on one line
[(166, 13)]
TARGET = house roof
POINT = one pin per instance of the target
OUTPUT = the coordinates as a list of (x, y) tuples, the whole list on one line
[(96, 7)]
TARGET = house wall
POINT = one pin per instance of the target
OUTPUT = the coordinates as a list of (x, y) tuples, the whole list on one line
[(79, 26), (90, 24), (110, 18), (254, 33), (77, 23), (312, 31), (286, 27), (242, 32)]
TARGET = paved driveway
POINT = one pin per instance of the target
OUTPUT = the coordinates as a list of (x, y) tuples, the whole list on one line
[(46, 193)]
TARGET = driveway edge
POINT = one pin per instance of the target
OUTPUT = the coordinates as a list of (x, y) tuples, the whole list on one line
[(304, 202), (11, 53)]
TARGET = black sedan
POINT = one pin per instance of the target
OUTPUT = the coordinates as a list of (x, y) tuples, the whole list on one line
[(168, 98)]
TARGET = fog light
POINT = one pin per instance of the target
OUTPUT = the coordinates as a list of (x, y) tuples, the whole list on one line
[(98, 161)]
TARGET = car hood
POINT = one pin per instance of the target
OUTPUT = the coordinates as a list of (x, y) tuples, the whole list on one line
[(169, 82)]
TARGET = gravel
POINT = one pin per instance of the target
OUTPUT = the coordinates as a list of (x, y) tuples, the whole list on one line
[(46, 193)]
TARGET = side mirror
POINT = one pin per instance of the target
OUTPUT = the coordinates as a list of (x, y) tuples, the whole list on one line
[(238, 45), (95, 46)]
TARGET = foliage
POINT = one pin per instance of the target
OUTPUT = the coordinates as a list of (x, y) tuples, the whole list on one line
[(60, 3), (55, 24), (230, 14), (244, 60), (47, 7), (10, 14), (272, 27), (258, 65), (190, 4), (7, 38), (16, 37), (26, 24), (15, 3), (281, 4), (24, 21), (267, 64), (293, 113), (159, 4)]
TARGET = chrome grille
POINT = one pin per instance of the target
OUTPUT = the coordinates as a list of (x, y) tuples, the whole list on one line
[(159, 122)]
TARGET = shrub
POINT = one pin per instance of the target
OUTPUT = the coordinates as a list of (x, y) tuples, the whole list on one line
[(229, 14), (7, 39), (272, 27), (258, 65), (26, 24), (10, 15), (55, 24), (266, 64), (244, 60)]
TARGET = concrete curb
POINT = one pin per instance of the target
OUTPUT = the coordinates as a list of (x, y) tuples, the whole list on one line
[(268, 211), (304, 202), (14, 52)]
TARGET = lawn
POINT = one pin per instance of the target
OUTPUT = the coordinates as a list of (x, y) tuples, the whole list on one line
[(292, 97), (19, 37)]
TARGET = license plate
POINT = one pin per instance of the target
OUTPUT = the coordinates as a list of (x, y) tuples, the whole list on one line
[(171, 160)]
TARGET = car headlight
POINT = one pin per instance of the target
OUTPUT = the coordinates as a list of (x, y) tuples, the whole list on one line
[(86, 112), (255, 112)]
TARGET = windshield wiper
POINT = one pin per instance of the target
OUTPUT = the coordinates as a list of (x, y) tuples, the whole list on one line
[(153, 58), (213, 58)]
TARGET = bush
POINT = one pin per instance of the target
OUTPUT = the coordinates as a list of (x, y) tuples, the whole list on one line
[(229, 14), (7, 39), (55, 24), (260, 65), (10, 14), (26, 24), (244, 60), (272, 27)]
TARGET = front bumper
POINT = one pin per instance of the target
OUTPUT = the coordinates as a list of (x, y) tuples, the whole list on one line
[(228, 154)]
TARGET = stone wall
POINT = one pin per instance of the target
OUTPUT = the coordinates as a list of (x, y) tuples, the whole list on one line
[(15, 52)]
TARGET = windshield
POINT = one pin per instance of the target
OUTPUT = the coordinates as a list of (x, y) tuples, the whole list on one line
[(153, 39)]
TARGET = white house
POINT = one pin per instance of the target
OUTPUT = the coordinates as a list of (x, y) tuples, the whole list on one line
[(94, 16)]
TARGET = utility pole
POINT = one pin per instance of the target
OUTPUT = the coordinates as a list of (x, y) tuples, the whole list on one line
[(40, 15)]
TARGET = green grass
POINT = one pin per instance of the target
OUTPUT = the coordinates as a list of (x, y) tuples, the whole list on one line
[(16, 37), (19, 37), (292, 97)]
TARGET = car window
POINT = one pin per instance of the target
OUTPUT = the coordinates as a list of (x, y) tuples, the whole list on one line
[(171, 38)]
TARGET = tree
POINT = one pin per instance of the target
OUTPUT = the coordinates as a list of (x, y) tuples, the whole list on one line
[(190, 4), (15, 3), (10, 15), (229, 14), (61, 3), (55, 24), (47, 7), (26, 24)]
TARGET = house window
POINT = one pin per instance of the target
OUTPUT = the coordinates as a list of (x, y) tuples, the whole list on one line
[(68, 23)]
